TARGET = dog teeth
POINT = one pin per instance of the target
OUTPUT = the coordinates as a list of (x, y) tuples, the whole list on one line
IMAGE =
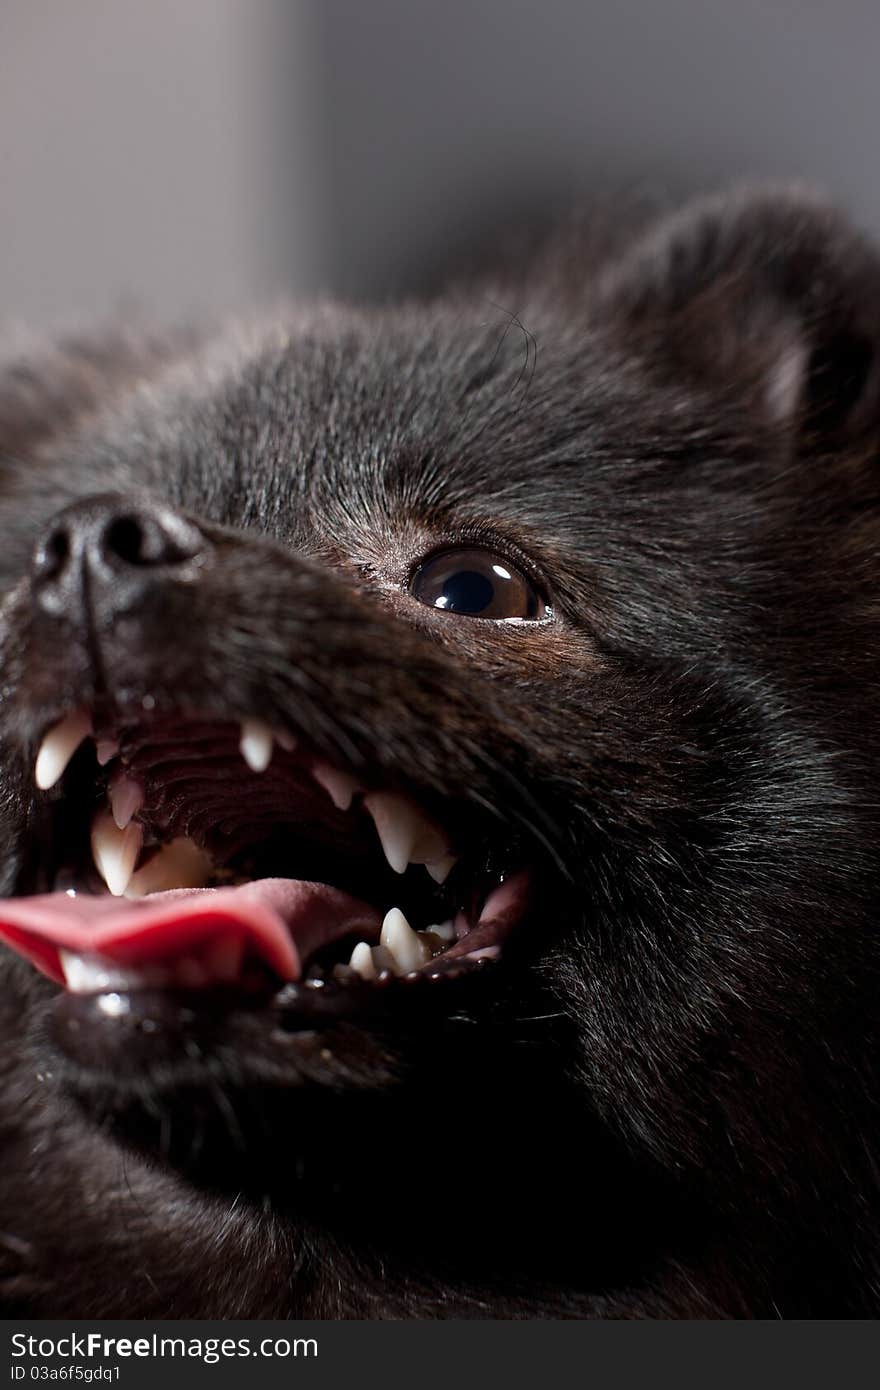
[(372, 961), (219, 963), (440, 869), (339, 786), (255, 744), (362, 961), (444, 930), (93, 974), (126, 796), (115, 851), (180, 864), (59, 746), (384, 962), (406, 947), (105, 749), (406, 834), (400, 949), (395, 827)]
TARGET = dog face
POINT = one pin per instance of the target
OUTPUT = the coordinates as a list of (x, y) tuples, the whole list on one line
[(506, 720)]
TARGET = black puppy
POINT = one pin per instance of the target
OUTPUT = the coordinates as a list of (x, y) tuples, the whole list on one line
[(501, 689)]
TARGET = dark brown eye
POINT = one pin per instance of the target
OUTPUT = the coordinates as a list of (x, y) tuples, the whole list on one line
[(476, 584)]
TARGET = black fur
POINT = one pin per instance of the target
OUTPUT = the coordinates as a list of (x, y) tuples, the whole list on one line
[(662, 1103)]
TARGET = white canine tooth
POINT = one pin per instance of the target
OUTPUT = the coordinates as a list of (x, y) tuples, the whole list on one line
[(92, 974), (394, 826), (431, 846), (95, 975), (405, 945), (126, 796), (115, 851), (440, 869), (83, 974), (105, 749), (362, 961), (383, 960), (256, 744), (180, 864), (59, 746), (339, 786), (406, 833)]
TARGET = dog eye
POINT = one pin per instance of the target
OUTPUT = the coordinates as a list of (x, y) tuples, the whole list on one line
[(476, 584)]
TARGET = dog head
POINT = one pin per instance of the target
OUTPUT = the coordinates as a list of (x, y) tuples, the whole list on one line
[(496, 687)]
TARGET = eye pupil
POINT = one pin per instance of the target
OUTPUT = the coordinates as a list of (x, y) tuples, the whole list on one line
[(466, 592)]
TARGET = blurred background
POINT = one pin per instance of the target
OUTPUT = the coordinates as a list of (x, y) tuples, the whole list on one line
[(182, 155)]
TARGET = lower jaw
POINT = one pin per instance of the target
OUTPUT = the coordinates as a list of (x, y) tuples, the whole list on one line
[(139, 1038), (117, 1046)]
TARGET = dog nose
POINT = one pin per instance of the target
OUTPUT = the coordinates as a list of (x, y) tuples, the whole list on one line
[(108, 552)]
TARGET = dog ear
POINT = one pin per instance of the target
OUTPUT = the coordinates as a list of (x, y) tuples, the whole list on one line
[(766, 296)]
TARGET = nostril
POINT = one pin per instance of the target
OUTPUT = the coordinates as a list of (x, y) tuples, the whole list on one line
[(139, 539), (53, 554), (126, 539)]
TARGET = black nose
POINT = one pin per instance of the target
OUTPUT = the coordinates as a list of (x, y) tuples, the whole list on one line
[(107, 552)]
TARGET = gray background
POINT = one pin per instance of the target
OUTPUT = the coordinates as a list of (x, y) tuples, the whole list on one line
[(198, 154)]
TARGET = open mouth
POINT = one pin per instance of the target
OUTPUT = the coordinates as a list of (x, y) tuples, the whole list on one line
[(189, 853)]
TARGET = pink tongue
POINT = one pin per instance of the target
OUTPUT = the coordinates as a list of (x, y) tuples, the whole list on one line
[(280, 920)]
